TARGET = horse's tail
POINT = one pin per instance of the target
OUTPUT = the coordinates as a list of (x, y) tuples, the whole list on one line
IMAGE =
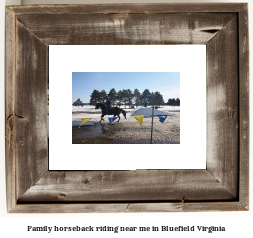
[(123, 112)]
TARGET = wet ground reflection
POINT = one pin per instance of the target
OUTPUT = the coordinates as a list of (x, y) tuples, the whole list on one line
[(96, 133)]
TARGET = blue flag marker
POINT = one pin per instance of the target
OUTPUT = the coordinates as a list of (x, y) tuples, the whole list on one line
[(111, 119), (162, 118)]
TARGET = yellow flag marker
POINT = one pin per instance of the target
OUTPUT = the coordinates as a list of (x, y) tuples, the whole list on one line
[(84, 120), (139, 119)]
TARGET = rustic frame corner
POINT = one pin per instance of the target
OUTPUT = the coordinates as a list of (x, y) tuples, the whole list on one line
[(223, 186)]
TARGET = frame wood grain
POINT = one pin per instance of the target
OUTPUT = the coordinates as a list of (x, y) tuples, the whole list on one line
[(222, 186)]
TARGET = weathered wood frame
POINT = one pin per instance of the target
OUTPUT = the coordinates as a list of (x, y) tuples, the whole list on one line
[(222, 186)]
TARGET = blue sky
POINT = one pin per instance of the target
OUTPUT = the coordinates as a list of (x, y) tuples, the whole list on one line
[(83, 83)]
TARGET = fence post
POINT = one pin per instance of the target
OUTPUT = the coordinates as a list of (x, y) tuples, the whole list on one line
[(152, 123)]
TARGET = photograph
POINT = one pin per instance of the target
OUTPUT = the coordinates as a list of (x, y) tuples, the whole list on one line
[(126, 108)]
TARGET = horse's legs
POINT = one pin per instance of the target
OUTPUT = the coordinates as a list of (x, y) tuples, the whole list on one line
[(119, 118), (102, 118)]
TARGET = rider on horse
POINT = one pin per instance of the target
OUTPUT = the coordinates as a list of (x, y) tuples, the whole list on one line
[(108, 105), (113, 111)]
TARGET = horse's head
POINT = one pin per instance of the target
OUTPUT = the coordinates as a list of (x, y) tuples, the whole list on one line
[(98, 105)]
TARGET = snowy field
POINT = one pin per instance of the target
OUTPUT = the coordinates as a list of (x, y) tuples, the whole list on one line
[(126, 131), (92, 108), (90, 112)]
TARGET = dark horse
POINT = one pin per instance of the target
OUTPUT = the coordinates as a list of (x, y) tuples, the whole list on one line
[(115, 111)]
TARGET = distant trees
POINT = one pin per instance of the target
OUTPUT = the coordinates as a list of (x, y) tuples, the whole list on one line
[(158, 99), (119, 97), (137, 97), (78, 103), (95, 97), (126, 97), (103, 96), (144, 95), (173, 102), (113, 96), (129, 97)]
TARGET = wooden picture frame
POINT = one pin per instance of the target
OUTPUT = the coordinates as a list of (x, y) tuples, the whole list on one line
[(222, 186)]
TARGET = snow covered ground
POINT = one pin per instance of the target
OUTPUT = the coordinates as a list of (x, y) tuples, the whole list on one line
[(84, 108), (92, 108), (90, 112)]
